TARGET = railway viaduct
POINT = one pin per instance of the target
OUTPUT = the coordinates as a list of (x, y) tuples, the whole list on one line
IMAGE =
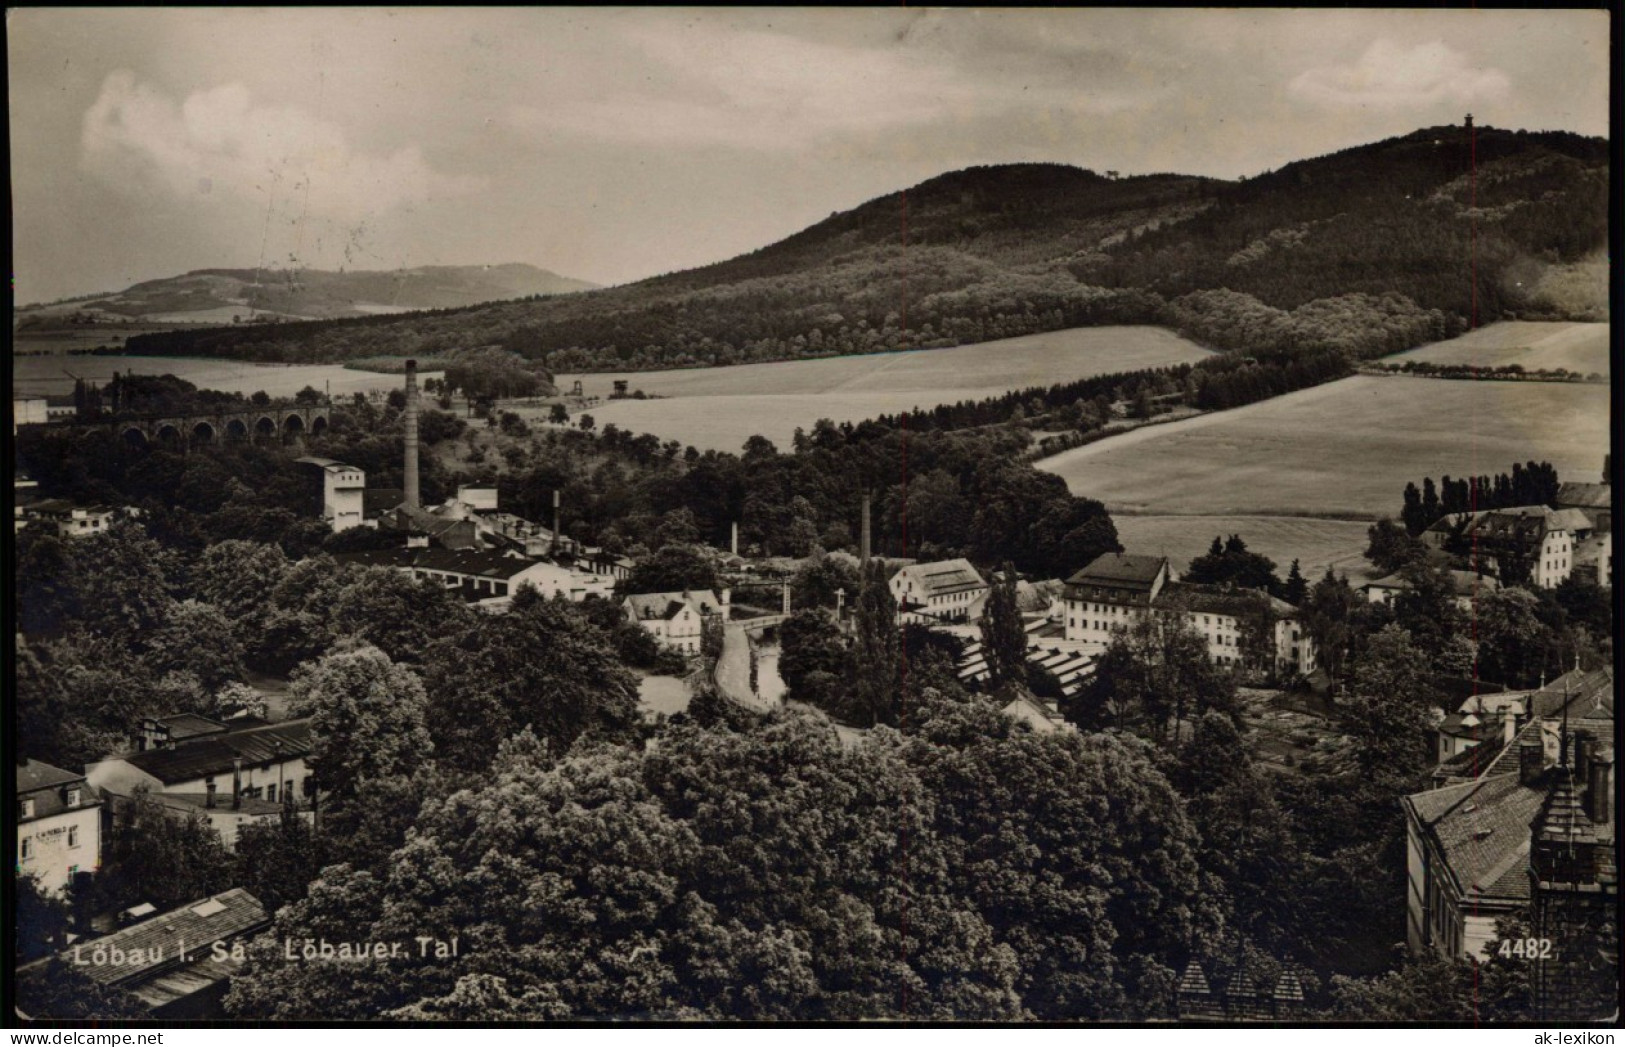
[(284, 422)]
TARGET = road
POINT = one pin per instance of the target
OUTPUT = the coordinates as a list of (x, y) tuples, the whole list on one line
[(733, 670)]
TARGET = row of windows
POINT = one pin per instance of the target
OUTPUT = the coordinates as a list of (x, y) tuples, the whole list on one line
[(70, 797), (26, 843)]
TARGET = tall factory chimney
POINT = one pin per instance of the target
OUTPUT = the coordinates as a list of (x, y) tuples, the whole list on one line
[(733, 539), (411, 479), (863, 548), (553, 546)]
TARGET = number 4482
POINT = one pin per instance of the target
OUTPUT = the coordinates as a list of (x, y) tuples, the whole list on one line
[(1526, 948)]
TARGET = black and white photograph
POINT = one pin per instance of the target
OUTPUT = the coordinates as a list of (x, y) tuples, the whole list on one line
[(807, 517)]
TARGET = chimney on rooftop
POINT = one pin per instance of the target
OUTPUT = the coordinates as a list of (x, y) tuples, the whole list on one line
[(1531, 761), (411, 480), (1599, 787)]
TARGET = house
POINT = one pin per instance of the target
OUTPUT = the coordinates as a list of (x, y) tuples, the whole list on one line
[(1536, 535), (1101, 600), (1466, 586), (1594, 559), (1468, 845), (59, 824), (486, 579), (1042, 715), (1595, 500), (443, 531), (229, 778), (598, 561), (69, 520), (676, 620), (177, 964), (948, 590), (343, 492)]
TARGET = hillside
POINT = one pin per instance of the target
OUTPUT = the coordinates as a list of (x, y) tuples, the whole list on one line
[(1370, 250), (242, 295)]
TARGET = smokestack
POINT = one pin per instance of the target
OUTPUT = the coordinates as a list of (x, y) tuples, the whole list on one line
[(733, 541), (412, 434), (863, 554), (236, 783), (553, 545)]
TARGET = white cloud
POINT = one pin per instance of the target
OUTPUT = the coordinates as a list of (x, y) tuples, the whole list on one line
[(1391, 76), (219, 141)]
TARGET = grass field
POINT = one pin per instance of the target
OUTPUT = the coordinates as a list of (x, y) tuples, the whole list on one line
[(45, 375), (1536, 346), (720, 407), (1315, 543), (1344, 449)]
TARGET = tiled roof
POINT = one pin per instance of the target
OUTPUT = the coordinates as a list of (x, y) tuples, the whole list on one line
[(1120, 570), (1585, 496), (37, 775), (944, 577), (157, 942), (216, 753), (1481, 829), (1588, 695), (1529, 523)]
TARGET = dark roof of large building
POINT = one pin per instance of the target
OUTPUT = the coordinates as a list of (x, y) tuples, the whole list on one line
[(1215, 599), (1462, 583), (1120, 571), (190, 725), (1528, 523), (649, 606), (48, 788), (1588, 696), (156, 944), (217, 753), (1573, 494)]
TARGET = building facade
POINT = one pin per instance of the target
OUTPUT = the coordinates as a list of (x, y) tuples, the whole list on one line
[(676, 620), (946, 591), (1101, 601), (59, 825), (343, 487)]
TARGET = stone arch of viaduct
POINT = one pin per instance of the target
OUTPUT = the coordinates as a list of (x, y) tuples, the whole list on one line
[(261, 425)]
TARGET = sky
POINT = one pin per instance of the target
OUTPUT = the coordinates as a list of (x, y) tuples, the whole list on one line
[(616, 144)]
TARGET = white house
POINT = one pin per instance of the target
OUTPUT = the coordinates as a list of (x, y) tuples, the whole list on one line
[(59, 824), (1103, 598), (948, 590), (1466, 586), (676, 619), (1543, 536), (229, 778)]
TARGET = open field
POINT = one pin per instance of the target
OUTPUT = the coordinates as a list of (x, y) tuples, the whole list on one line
[(964, 371), (1315, 543), (721, 407), (1344, 449), (1535, 346)]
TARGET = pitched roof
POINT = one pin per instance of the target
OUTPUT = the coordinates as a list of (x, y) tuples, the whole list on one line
[(1588, 696), (647, 606), (155, 944), (1585, 496), (190, 725), (452, 561), (1120, 571), (217, 753), (1481, 829), (375, 500), (1462, 583), (943, 577), (1214, 599), (1527, 523), (327, 464), (33, 774)]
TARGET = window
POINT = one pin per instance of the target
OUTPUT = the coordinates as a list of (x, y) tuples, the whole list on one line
[(270, 793), (310, 785), (73, 797), (73, 836), (28, 809), (27, 848)]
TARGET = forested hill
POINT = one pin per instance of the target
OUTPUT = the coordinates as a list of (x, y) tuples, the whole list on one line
[(221, 294), (1369, 250)]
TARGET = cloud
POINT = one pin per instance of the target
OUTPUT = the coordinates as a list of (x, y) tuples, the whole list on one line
[(1390, 76), (218, 141)]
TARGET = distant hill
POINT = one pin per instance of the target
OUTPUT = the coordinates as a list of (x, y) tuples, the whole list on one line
[(242, 295), (1369, 250)]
